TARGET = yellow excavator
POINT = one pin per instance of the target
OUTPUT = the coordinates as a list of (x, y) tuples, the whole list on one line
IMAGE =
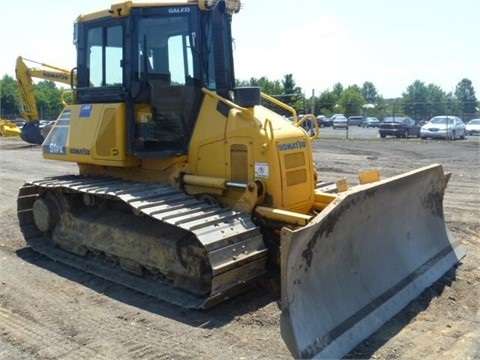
[(191, 189), (24, 73), (8, 128)]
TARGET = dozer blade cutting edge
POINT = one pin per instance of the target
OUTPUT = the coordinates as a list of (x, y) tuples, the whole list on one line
[(362, 260)]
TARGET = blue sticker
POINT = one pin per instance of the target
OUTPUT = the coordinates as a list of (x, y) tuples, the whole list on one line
[(86, 110)]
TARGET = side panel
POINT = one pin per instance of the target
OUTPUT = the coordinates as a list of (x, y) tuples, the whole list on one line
[(263, 146), (90, 134), (354, 266), (297, 175), (207, 142)]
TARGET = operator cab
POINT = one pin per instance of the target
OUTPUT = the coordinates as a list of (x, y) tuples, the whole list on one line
[(156, 60)]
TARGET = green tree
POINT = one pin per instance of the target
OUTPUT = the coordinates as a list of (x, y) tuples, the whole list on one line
[(271, 87), (351, 101), (266, 86), (381, 108), (419, 100), (337, 90), (369, 92), (393, 107), (48, 98), (241, 83), (452, 105), (436, 100), (325, 104), (289, 85), (467, 101), (356, 88), (415, 100), (9, 97), (297, 100)]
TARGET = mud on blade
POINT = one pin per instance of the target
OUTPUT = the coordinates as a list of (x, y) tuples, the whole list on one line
[(362, 260)]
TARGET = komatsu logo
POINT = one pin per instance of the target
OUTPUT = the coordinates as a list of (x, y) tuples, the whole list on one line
[(55, 76), (294, 145), (83, 151), (179, 10)]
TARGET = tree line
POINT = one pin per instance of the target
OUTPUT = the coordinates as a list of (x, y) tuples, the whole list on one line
[(419, 101), (48, 99)]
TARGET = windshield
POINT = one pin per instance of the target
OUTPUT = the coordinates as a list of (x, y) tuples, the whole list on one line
[(442, 120), (165, 50), (394, 119), (105, 55)]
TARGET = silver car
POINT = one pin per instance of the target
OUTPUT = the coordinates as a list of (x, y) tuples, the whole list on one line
[(473, 127), (339, 121), (445, 127)]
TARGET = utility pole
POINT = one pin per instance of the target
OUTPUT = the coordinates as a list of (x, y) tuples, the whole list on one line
[(313, 102)]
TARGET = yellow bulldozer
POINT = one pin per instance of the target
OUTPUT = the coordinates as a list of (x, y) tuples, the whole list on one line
[(192, 190)]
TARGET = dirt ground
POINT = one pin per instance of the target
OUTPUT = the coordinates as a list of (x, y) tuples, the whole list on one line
[(50, 311)]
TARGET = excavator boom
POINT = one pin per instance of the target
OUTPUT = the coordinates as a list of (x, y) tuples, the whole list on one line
[(25, 74)]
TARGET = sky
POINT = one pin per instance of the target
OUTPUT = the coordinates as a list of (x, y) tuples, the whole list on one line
[(391, 43)]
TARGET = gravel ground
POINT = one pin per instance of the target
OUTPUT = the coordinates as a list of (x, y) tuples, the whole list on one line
[(50, 311)]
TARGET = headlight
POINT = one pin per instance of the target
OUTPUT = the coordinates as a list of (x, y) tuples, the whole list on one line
[(233, 6)]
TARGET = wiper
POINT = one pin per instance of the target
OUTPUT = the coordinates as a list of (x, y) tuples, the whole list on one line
[(145, 58)]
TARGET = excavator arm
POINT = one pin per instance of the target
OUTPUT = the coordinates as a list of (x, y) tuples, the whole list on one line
[(25, 74)]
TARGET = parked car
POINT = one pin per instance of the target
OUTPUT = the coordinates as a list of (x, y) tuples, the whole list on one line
[(472, 127), (444, 126), (355, 120), (19, 122), (370, 122), (399, 126), (339, 121), (46, 126), (323, 121)]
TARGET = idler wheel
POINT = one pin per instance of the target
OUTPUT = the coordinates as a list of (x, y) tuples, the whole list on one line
[(46, 213)]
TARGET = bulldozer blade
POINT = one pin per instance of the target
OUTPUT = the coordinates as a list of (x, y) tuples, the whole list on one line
[(363, 259)]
